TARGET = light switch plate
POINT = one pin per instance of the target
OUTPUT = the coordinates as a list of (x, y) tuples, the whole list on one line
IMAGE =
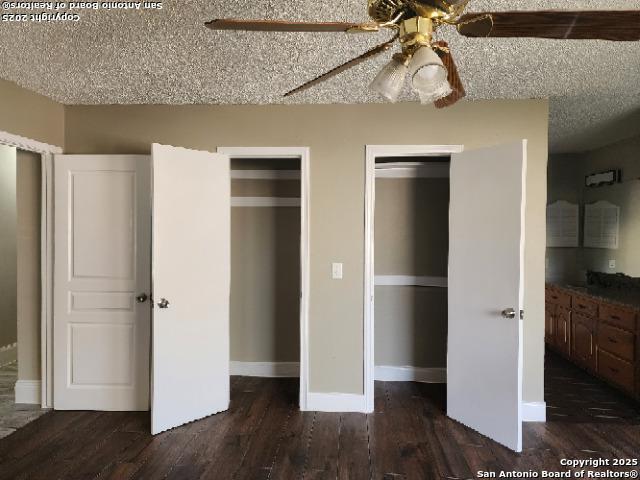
[(336, 271), (612, 264)]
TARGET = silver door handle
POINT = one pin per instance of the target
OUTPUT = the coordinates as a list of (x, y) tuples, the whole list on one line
[(509, 313), (142, 298), (163, 303)]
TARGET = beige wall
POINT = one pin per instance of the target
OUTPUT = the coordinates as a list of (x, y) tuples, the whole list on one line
[(30, 115), (265, 275), (624, 155), (566, 182), (411, 238), (337, 135), (8, 246), (28, 206), (411, 326)]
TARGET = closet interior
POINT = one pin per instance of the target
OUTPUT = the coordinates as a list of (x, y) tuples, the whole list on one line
[(265, 267), (411, 261)]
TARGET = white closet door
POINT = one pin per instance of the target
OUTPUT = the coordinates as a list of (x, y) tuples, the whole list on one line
[(102, 263), (191, 284), (486, 249)]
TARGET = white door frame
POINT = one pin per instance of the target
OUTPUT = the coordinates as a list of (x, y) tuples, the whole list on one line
[(46, 152), (371, 153), (303, 154)]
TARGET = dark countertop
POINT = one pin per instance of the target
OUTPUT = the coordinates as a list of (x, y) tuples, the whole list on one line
[(625, 298)]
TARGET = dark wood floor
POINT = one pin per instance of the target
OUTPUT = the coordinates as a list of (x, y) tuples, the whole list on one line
[(264, 436)]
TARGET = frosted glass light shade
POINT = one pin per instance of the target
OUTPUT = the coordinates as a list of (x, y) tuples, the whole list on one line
[(428, 75), (389, 82)]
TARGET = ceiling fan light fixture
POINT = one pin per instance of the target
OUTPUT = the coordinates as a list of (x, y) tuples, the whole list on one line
[(390, 80), (428, 75)]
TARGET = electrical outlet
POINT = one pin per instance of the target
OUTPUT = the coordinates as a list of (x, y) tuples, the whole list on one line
[(336, 271), (612, 264)]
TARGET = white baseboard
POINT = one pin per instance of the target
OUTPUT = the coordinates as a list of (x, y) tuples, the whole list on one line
[(335, 402), (386, 373), (28, 391), (8, 354), (265, 369), (534, 412)]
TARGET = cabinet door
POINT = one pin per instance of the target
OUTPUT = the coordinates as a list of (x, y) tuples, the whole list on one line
[(549, 323), (583, 349), (563, 330)]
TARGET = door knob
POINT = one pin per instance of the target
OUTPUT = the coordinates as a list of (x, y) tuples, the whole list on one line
[(142, 298), (509, 313), (163, 303)]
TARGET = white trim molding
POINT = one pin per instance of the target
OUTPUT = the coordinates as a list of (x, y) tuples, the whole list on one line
[(412, 170), (304, 154), (389, 373), (371, 153), (46, 152), (335, 402), (24, 143), (28, 391), (265, 174), (410, 281), (265, 369), (534, 411), (8, 354), (265, 202)]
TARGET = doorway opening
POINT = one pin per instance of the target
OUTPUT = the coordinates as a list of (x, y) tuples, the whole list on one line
[(20, 287), (484, 333), (268, 270), (406, 263), (411, 235)]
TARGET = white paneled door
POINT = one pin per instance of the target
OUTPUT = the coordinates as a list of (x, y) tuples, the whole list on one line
[(102, 263), (486, 249), (191, 283)]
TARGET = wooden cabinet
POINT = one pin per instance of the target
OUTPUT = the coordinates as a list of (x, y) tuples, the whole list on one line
[(616, 371), (549, 323), (563, 330), (584, 305), (558, 321), (616, 341), (558, 297), (583, 346), (599, 336), (619, 316)]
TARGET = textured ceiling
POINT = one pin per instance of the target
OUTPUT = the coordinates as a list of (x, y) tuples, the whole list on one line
[(169, 57)]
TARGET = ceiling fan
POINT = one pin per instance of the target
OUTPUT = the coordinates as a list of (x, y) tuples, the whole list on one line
[(428, 63)]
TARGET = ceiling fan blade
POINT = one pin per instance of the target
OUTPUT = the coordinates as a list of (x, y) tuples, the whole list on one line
[(280, 25), (383, 47), (616, 25), (458, 92)]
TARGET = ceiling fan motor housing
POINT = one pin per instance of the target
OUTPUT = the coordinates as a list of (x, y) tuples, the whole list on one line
[(416, 32), (383, 11)]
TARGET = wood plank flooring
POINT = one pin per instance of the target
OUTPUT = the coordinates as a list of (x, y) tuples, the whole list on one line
[(264, 436)]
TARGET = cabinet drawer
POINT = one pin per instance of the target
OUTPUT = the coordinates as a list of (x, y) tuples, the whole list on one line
[(556, 297), (618, 316), (615, 370), (585, 306), (616, 341)]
